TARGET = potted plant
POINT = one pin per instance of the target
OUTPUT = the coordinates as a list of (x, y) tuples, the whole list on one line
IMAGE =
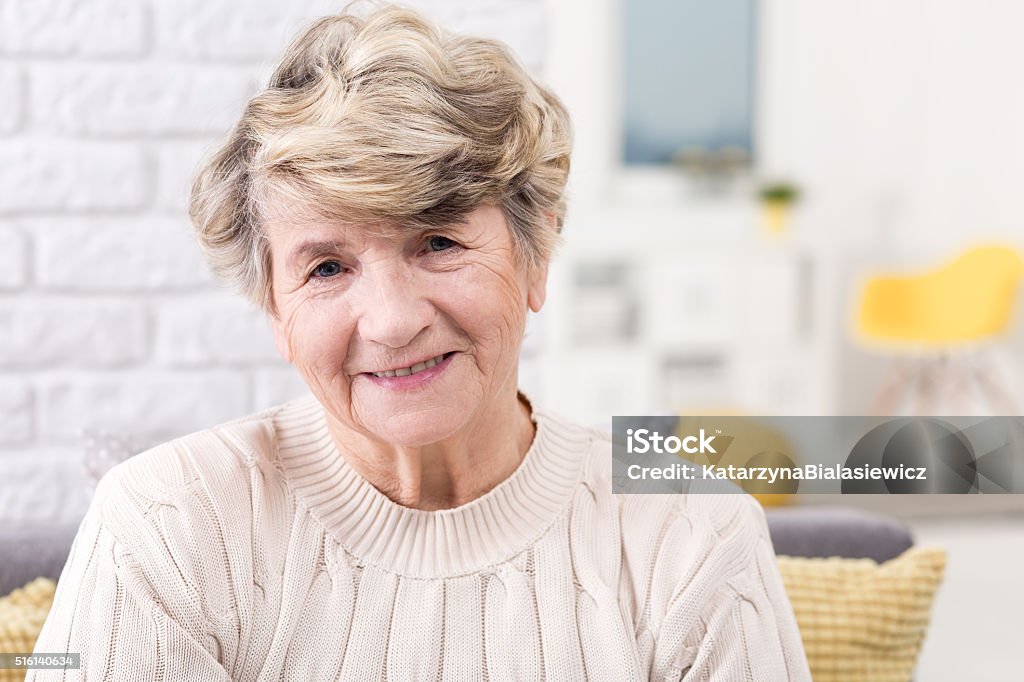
[(777, 199)]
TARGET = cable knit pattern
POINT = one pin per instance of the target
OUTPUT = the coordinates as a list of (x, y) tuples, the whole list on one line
[(253, 551)]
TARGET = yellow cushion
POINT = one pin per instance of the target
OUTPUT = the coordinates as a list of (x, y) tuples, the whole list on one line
[(22, 613), (860, 620)]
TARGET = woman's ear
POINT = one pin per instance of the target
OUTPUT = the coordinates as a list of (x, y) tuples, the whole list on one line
[(537, 287)]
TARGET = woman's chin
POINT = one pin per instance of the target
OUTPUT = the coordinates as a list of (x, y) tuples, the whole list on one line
[(419, 428), (414, 418)]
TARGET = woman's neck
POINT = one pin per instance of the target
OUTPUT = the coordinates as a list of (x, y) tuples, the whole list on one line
[(450, 473)]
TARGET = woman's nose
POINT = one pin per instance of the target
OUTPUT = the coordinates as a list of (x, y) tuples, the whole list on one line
[(394, 309)]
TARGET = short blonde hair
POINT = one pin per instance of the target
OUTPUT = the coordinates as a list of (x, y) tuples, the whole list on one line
[(385, 119)]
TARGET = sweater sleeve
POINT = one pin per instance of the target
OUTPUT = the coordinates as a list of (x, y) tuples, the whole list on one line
[(112, 607), (744, 628)]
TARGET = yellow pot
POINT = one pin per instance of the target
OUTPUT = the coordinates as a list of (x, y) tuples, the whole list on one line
[(775, 215)]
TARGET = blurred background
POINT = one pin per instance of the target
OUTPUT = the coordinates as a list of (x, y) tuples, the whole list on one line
[(776, 207)]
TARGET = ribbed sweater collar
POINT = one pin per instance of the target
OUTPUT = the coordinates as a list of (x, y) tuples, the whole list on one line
[(428, 544)]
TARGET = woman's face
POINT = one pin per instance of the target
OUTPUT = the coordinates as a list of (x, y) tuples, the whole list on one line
[(407, 338)]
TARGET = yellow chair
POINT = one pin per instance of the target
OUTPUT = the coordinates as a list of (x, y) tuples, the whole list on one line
[(941, 317)]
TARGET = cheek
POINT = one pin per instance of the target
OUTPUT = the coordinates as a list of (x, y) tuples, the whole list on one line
[(319, 334), (490, 306)]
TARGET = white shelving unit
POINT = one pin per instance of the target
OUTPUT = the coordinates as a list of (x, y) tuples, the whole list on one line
[(688, 309)]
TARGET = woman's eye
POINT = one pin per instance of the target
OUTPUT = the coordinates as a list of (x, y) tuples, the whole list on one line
[(327, 269), (439, 243)]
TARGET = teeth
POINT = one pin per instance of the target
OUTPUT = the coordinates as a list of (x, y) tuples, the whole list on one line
[(406, 371)]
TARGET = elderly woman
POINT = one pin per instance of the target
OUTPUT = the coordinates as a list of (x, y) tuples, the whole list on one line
[(391, 200)]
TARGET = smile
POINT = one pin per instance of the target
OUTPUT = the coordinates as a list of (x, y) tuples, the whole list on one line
[(418, 367)]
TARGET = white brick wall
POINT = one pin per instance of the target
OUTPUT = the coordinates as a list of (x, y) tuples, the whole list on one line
[(13, 258), (48, 333), (116, 254), (16, 406), (113, 100), (74, 28), (109, 320), (43, 173), (11, 86)]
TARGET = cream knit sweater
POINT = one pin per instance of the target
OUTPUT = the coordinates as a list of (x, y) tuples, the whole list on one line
[(253, 551)]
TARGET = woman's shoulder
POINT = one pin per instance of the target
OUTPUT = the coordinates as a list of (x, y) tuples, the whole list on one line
[(226, 471), (592, 445), (722, 514), (673, 542), (223, 452), (213, 504)]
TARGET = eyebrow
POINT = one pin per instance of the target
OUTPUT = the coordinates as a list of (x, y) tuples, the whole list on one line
[(315, 248), (311, 250)]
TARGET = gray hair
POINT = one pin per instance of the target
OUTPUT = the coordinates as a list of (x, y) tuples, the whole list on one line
[(386, 118)]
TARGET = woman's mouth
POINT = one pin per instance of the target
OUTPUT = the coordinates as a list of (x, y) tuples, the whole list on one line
[(416, 375), (415, 369)]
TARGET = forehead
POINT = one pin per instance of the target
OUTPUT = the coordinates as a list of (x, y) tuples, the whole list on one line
[(282, 225), (295, 242)]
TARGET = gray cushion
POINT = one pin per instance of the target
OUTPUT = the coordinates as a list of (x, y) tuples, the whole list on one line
[(28, 552), (836, 531)]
